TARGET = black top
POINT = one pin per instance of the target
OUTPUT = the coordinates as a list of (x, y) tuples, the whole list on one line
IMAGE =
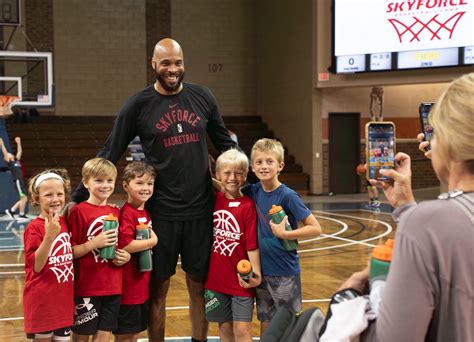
[(172, 130)]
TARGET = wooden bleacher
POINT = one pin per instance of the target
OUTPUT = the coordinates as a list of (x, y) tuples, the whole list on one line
[(65, 141)]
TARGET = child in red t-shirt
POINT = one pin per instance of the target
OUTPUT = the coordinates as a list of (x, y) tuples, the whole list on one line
[(49, 281), (98, 283), (138, 180), (229, 299)]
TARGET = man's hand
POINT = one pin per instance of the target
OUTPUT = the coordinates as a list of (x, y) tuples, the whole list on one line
[(398, 189), (121, 257)]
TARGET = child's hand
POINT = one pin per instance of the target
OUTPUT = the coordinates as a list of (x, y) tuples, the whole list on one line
[(51, 225), (279, 229), (113, 205), (253, 281), (121, 257), (153, 238), (104, 239)]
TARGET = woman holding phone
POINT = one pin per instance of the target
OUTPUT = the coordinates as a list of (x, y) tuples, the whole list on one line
[(429, 294)]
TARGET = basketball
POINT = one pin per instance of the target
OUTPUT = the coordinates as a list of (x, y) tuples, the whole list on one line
[(360, 169)]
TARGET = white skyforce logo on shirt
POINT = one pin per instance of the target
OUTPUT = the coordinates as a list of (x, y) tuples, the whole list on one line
[(226, 233), (60, 258), (95, 229)]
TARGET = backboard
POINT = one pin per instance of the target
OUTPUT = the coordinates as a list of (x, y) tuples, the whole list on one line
[(28, 75)]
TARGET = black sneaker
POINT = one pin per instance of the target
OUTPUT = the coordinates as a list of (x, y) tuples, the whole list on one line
[(9, 214)]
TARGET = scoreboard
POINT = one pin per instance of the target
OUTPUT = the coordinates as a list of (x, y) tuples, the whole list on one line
[(386, 61)]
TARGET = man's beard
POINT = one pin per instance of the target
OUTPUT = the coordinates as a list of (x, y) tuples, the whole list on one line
[(165, 85)]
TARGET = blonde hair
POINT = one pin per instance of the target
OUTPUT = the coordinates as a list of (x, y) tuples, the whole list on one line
[(33, 191), (98, 167), (233, 158), (452, 119), (269, 145), (137, 169)]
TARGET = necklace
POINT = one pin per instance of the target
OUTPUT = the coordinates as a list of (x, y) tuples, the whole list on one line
[(453, 194)]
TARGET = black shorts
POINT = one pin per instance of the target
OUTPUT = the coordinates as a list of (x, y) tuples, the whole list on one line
[(132, 319), (190, 239), (21, 187), (95, 313), (61, 334)]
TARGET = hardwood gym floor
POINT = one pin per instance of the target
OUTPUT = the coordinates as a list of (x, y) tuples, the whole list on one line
[(350, 231)]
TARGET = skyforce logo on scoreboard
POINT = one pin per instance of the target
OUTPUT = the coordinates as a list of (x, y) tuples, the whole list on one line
[(425, 20), (407, 5)]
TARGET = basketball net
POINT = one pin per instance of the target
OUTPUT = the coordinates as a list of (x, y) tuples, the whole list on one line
[(6, 104)]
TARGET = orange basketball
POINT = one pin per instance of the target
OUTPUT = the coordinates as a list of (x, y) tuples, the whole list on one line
[(360, 169)]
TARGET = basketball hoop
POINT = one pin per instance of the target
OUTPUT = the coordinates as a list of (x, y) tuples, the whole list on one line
[(417, 30), (6, 104)]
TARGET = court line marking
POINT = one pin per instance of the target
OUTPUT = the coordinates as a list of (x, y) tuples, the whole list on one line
[(184, 307), (344, 225), (389, 229), (13, 272)]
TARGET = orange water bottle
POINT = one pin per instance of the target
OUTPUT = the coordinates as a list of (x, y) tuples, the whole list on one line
[(244, 267)]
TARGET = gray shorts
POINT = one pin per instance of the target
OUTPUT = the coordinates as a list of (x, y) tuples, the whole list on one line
[(221, 307), (276, 291)]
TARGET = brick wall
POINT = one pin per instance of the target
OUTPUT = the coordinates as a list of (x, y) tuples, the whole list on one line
[(218, 39), (158, 26), (39, 26), (423, 175), (100, 54)]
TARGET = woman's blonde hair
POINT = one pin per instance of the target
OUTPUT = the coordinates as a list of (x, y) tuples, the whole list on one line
[(98, 167), (452, 119), (233, 158), (269, 145), (33, 192)]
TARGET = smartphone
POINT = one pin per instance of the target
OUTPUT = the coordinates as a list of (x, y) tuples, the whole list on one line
[(380, 148), (424, 110)]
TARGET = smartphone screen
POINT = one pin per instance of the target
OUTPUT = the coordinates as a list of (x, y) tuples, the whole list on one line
[(380, 148), (424, 110)]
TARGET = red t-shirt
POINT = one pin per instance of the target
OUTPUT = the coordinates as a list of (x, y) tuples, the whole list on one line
[(235, 233), (48, 296), (134, 282), (95, 276)]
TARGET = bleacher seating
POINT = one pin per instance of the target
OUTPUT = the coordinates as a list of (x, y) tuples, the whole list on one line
[(65, 141)]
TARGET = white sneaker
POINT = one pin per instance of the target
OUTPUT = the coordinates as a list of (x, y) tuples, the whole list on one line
[(9, 214)]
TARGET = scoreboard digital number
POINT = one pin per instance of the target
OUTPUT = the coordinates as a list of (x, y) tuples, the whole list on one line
[(405, 60), (10, 12)]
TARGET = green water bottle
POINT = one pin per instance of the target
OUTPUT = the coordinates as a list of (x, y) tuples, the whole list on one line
[(143, 232), (380, 261), (110, 222), (277, 214)]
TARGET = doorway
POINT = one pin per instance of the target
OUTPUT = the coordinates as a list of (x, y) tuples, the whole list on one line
[(344, 152)]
